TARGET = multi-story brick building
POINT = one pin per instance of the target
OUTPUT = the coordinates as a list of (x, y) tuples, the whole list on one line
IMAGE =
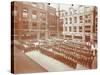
[(52, 21), (33, 21), (79, 24), (60, 22)]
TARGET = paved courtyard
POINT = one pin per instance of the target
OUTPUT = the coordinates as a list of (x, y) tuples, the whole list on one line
[(51, 64), (23, 64)]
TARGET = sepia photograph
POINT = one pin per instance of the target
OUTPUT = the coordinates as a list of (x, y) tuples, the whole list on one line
[(53, 37)]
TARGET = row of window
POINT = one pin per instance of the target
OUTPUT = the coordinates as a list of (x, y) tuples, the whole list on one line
[(34, 25), (79, 10), (75, 20), (88, 18), (25, 13), (69, 13), (39, 5), (74, 29)]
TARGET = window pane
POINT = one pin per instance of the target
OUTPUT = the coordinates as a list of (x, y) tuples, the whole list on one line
[(25, 12), (34, 16), (75, 19)]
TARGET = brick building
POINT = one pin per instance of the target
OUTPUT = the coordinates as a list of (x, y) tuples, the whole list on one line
[(79, 24), (34, 21), (52, 21)]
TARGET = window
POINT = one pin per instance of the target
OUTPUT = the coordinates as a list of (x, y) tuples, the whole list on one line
[(80, 28), (66, 13), (62, 14), (65, 28), (70, 20), (41, 6), (75, 19), (25, 12), (74, 29), (70, 12), (87, 9), (42, 35), (89, 21), (85, 21), (14, 13), (34, 16), (43, 16), (78, 37), (81, 9), (75, 11), (86, 16), (87, 29), (66, 20), (87, 26), (34, 25), (70, 29), (34, 12), (34, 4), (43, 26), (89, 15), (81, 19), (25, 24)]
